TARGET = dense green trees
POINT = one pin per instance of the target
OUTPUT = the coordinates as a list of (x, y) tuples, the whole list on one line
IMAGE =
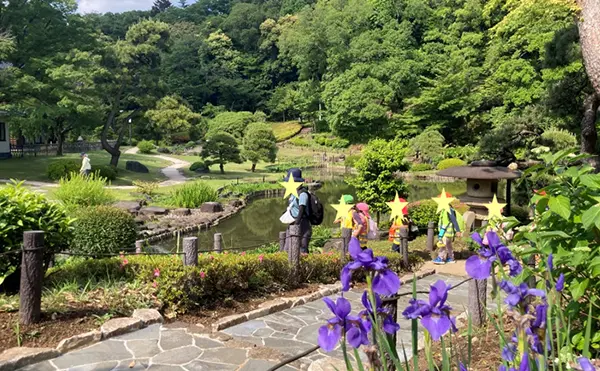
[(474, 70)]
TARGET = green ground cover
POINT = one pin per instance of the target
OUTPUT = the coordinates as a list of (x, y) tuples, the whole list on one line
[(285, 130), (34, 168)]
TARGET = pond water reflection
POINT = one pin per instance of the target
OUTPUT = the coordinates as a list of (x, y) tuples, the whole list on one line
[(258, 222)]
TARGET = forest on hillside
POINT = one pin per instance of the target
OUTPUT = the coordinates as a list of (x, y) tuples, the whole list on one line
[(493, 73)]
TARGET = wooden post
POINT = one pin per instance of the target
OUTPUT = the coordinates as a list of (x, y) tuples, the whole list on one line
[(507, 210), (404, 246), (139, 245), (217, 239), (32, 274), (430, 237), (294, 252), (282, 240), (346, 236), (392, 308), (190, 250), (477, 301)]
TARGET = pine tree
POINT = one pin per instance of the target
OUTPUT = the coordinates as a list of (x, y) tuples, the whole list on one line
[(160, 6), (183, 3)]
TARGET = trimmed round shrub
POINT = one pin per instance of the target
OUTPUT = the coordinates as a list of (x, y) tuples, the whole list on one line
[(59, 169), (145, 146), (520, 213), (191, 144), (200, 167), (450, 162), (558, 139), (105, 171), (134, 142), (422, 212), (166, 150), (420, 167), (24, 210), (103, 230)]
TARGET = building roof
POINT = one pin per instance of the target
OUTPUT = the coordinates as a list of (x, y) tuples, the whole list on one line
[(480, 172)]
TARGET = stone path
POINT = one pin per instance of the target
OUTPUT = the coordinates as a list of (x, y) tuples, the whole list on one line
[(251, 346)]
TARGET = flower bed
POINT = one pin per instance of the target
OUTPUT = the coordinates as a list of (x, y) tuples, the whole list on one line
[(217, 276)]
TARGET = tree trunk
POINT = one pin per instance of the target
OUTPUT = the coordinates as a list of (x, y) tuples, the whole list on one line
[(589, 134), (589, 34), (114, 151), (59, 143), (253, 166), (222, 168)]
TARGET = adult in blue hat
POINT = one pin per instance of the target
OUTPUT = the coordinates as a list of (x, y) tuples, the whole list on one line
[(298, 208)]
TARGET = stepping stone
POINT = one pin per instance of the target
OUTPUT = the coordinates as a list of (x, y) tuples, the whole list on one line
[(170, 339), (143, 348), (101, 352), (225, 355), (177, 356), (102, 366), (210, 366)]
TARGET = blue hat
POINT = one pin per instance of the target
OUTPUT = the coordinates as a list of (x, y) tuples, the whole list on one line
[(296, 174)]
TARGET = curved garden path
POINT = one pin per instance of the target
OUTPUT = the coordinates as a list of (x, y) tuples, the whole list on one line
[(172, 172)]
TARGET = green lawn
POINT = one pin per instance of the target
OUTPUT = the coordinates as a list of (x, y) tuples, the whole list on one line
[(34, 168), (285, 130)]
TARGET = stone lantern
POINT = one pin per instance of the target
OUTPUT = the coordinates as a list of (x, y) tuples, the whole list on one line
[(482, 184)]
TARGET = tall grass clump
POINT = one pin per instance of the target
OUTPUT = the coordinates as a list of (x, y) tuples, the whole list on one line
[(192, 195), (80, 190)]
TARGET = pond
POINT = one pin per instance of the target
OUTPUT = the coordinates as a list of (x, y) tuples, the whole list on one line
[(258, 223)]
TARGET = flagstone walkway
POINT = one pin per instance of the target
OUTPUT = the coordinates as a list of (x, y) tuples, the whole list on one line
[(255, 345)]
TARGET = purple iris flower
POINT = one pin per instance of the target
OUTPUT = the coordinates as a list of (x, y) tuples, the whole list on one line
[(462, 367), (541, 311), (516, 294), (524, 366), (354, 328), (560, 283), (385, 281), (435, 315), (331, 333), (389, 325), (480, 266), (585, 364), (550, 262), (509, 352)]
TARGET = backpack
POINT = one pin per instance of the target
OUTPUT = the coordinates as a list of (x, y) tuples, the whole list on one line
[(315, 209), (373, 231)]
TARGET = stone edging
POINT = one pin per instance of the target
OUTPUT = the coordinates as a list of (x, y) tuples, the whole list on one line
[(15, 358), (281, 304)]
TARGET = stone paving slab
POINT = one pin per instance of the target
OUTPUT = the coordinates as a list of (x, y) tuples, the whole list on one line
[(255, 345)]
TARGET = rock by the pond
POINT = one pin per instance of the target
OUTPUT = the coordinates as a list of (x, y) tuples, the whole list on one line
[(152, 226), (333, 245), (181, 212), (235, 203), (211, 207), (131, 206), (136, 167), (153, 210), (141, 219)]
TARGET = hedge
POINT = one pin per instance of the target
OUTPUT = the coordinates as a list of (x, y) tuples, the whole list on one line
[(217, 277)]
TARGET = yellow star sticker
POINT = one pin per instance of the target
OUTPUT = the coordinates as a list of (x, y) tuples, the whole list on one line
[(495, 209), (396, 207), (291, 187), (342, 209), (443, 202)]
